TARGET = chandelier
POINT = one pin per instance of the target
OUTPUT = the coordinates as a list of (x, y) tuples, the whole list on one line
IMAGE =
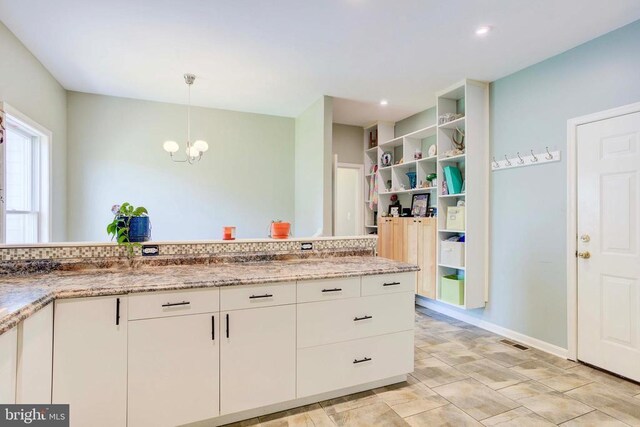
[(194, 150)]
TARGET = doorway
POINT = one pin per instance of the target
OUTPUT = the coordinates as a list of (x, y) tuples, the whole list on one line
[(349, 200), (604, 239)]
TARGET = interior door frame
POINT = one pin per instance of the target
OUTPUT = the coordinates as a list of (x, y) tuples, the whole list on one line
[(360, 168), (572, 216)]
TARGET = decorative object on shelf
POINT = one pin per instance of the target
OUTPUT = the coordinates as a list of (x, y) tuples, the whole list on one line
[(194, 150), (452, 153), (280, 229), (373, 138), (445, 189), (420, 204), (229, 233), (373, 189), (432, 212), (528, 160), (130, 226), (406, 212), (457, 139), (449, 117), (399, 162), (417, 155), (393, 198), (432, 180), (455, 218), (453, 178), (412, 179), (394, 210), (433, 150), (387, 159)]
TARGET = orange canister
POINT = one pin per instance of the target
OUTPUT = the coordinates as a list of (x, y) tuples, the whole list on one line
[(228, 233), (280, 230)]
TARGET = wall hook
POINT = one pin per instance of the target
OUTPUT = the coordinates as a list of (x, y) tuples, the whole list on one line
[(549, 156), (495, 162), (533, 157), (521, 160), (508, 162)]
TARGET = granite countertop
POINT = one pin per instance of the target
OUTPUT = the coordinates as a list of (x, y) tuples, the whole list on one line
[(21, 296)]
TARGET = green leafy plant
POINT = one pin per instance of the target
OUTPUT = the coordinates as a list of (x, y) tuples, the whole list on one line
[(121, 224)]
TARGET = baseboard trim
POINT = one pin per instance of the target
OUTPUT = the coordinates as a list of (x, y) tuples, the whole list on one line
[(492, 327)]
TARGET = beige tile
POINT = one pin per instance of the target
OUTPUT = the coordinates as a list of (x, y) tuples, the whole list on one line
[(475, 399), (444, 347), (566, 382), (519, 417), (610, 401), (347, 403), (623, 386), (444, 416), (491, 374), (433, 372), (537, 369), (638, 396), (506, 356), (594, 419), (555, 407), (458, 357), (253, 422), (524, 390), (312, 415), (409, 399), (371, 415), (554, 360)]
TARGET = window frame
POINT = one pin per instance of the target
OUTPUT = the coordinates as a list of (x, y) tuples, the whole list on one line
[(42, 173)]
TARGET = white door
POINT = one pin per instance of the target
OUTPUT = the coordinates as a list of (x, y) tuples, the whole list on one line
[(349, 201), (257, 358), (173, 370), (609, 244), (90, 360)]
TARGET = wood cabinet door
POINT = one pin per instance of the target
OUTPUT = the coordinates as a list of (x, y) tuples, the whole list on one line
[(399, 230), (173, 370), (427, 234), (257, 357), (385, 238), (90, 360)]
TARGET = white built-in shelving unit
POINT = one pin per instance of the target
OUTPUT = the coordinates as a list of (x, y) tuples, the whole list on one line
[(470, 98), (382, 131)]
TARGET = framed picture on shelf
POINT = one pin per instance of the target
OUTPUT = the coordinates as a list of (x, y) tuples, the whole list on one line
[(420, 204), (395, 210)]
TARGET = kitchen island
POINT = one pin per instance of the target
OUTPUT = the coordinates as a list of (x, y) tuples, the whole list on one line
[(211, 344)]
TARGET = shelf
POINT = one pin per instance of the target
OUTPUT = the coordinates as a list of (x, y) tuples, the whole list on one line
[(452, 231), (457, 123), (385, 168), (451, 266), (452, 195), (427, 159), (371, 226), (413, 190), (371, 150), (449, 303), (422, 133), (456, 159), (404, 165), (396, 142)]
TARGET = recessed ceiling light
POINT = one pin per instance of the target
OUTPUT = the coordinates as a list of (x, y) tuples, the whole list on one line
[(383, 102), (483, 31)]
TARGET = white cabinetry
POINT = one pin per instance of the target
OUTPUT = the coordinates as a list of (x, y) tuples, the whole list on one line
[(258, 350), (173, 370), (35, 357), (8, 353), (90, 360)]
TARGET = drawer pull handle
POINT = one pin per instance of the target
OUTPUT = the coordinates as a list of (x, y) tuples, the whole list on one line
[(213, 328), (174, 304), (366, 359), (227, 316), (357, 319), (117, 311), (260, 296), (391, 284), (332, 290)]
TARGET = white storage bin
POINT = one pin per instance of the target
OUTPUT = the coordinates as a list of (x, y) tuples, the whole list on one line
[(452, 253)]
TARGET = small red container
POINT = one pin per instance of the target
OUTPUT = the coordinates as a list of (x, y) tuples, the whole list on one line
[(280, 230), (228, 233)]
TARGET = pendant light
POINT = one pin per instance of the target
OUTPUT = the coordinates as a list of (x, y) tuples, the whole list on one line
[(194, 150)]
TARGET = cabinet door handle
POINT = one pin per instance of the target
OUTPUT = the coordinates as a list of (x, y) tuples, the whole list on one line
[(366, 359), (213, 328), (227, 325), (173, 304), (391, 284), (332, 290), (260, 296), (357, 319), (117, 311)]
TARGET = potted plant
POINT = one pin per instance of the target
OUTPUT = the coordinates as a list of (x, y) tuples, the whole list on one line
[(130, 226)]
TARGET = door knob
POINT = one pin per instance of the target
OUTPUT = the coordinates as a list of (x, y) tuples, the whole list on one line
[(584, 255)]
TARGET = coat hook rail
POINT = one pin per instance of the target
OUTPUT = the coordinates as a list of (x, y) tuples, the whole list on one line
[(520, 161)]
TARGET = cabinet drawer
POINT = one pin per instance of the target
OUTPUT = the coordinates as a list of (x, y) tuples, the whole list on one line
[(328, 322), (175, 303), (252, 296), (388, 283), (336, 366), (326, 290)]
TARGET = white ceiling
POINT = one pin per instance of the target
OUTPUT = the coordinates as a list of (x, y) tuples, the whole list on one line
[(278, 56)]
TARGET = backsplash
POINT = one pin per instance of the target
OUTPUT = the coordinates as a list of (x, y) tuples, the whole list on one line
[(80, 252)]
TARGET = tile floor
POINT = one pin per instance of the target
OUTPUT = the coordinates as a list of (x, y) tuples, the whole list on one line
[(464, 376)]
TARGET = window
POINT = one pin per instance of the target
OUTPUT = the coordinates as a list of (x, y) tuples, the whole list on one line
[(26, 182)]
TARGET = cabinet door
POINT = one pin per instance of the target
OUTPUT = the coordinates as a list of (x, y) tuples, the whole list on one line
[(398, 239), (173, 370), (427, 235), (257, 357), (35, 357), (412, 245), (90, 360), (8, 352), (385, 238)]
